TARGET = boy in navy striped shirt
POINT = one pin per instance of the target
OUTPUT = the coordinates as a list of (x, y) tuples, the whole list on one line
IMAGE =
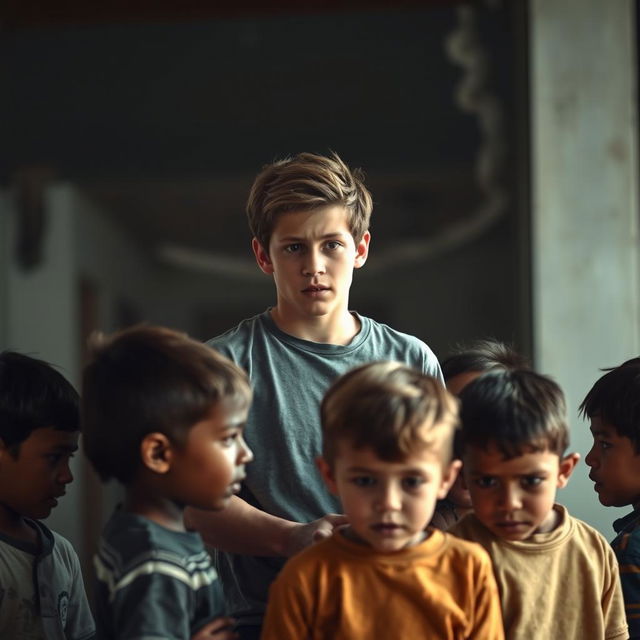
[(164, 415), (613, 407)]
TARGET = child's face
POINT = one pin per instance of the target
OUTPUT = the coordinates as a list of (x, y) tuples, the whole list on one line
[(312, 255), (514, 497), (388, 504), (209, 468), (31, 485), (615, 466)]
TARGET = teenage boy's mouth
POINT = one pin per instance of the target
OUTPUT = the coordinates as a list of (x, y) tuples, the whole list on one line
[(315, 289)]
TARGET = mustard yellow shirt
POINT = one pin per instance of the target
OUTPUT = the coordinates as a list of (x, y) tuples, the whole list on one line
[(440, 589)]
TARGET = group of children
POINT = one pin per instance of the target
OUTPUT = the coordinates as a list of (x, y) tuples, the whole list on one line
[(378, 504)]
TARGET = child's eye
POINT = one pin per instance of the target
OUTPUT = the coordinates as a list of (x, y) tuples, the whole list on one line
[(293, 248), (605, 445), (228, 440), (413, 482), (486, 482), (363, 481), (332, 245), (532, 481)]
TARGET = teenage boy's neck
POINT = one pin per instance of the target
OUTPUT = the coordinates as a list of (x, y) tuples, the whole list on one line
[(152, 506), (329, 330)]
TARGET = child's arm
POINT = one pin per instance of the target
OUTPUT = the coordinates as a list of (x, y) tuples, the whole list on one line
[(488, 614), (289, 610), (79, 621), (241, 528), (613, 603)]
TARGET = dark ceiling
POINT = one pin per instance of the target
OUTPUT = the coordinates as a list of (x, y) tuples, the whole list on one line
[(165, 114)]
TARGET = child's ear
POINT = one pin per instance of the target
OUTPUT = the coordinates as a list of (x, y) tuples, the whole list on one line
[(449, 477), (262, 257), (567, 465), (327, 475), (156, 452), (362, 250)]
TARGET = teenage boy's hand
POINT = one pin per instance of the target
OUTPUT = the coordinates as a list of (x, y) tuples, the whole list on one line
[(303, 535), (218, 629)]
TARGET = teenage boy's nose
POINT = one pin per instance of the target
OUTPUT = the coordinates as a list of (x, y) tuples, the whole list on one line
[(313, 263), (389, 498), (590, 459)]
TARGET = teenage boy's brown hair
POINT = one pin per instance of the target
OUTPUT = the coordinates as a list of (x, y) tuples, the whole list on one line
[(305, 182), (147, 379), (386, 406)]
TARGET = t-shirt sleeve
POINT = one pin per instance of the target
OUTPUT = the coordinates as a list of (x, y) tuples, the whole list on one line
[(288, 615), (79, 624), (487, 617)]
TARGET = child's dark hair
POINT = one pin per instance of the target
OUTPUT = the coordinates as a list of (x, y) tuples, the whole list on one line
[(33, 395), (150, 379), (515, 411), (615, 398), (482, 355), (387, 406)]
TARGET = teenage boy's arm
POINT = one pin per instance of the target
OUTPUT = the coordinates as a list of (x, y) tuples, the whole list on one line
[(241, 528)]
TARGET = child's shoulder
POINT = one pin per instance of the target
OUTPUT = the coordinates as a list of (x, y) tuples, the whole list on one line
[(133, 537)]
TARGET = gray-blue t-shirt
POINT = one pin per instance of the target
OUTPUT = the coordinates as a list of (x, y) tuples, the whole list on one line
[(289, 378)]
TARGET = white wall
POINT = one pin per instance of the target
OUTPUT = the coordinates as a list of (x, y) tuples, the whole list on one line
[(585, 210)]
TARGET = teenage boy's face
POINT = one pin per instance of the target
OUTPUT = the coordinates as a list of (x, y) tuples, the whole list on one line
[(32, 483), (615, 466), (312, 255), (209, 468), (388, 504), (514, 497)]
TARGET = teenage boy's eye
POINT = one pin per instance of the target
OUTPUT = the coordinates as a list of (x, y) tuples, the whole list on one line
[(333, 244), (605, 445), (293, 248), (532, 481), (229, 439)]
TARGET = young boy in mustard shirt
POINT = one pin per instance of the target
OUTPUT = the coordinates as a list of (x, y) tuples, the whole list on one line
[(387, 454), (613, 407), (163, 415), (309, 216), (557, 576)]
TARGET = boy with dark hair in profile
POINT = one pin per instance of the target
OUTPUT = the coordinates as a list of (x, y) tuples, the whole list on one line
[(42, 593), (557, 576), (387, 454), (309, 216), (164, 415), (613, 407), (463, 366)]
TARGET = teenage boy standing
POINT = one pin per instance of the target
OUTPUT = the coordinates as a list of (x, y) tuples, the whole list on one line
[(309, 216)]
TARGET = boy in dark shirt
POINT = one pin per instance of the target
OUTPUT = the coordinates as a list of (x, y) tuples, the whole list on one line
[(164, 415), (613, 406)]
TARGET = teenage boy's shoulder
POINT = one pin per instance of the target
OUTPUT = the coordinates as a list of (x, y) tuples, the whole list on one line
[(375, 341)]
